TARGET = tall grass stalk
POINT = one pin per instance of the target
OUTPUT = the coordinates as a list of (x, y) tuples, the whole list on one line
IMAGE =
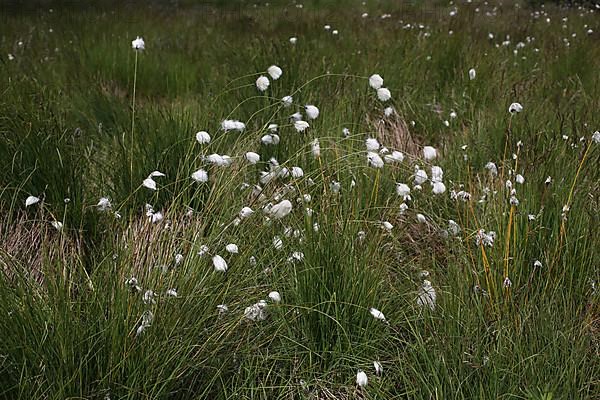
[(131, 138)]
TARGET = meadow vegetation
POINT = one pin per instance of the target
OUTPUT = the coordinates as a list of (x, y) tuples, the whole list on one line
[(439, 242)]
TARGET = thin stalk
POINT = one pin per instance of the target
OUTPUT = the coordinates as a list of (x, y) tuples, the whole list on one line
[(510, 230), (373, 200), (507, 243), (132, 124), (569, 200)]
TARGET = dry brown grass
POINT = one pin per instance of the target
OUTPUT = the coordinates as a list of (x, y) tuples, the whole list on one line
[(27, 245), (154, 245), (395, 133)]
